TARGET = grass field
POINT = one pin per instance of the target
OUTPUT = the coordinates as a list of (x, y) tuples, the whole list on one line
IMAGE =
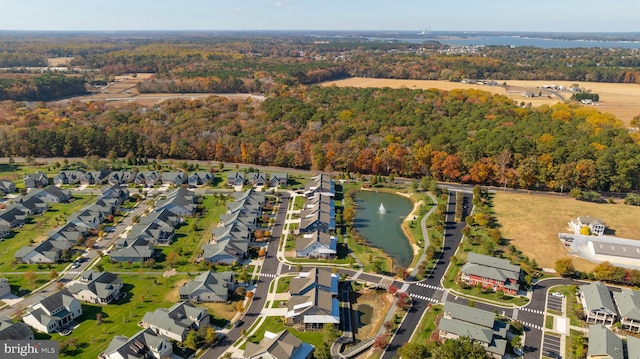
[(35, 230), (145, 293), (532, 223), (427, 325), (274, 325), (619, 99)]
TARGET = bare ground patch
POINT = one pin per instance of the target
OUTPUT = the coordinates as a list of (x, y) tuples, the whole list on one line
[(532, 223)]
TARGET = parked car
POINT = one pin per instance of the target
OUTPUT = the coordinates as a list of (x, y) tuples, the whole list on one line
[(557, 294)]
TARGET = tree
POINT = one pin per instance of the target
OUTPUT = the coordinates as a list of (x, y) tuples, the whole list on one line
[(403, 301), (322, 351), (564, 267), (243, 276), (53, 274), (461, 348), (172, 258), (330, 333), (414, 351), (98, 318), (30, 277), (516, 341), (392, 289), (191, 341), (262, 252), (608, 272), (381, 341)]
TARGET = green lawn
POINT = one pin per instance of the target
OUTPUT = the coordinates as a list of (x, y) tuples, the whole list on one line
[(36, 229), (274, 325), (298, 202), (427, 325), (283, 284), (548, 322), (145, 293), (21, 287)]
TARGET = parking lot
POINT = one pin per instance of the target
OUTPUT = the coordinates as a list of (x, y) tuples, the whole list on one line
[(554, 302), (551, 346)]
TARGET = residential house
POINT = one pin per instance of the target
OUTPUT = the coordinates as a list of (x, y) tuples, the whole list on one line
[(322, 184), (316, 245), (51, 194), (235, 179), (628, 303), (95, 177), (35, 180), (281, 345), (174, 178), (597, 304), (313, 302), (121, 177), (69, 232), (596, 226), (14, 331), (478, 325), (180, 201), (53, 313), (47, 251), (5, 288), (68, 177), (33, 205), (491, 272), (278, 180), (145, 344), (132, 250), (97, 287), (604, 344), (208, 287), (200, 178), (117, 192), (7, 187), (317, 219), (225, 251), (147, 178), (176, 322), (155, 232), (12, 217), (257, 179), (633, 347), (5, 231), (87, 218)]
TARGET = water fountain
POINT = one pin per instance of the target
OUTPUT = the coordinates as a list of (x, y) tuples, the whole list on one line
[(381, 209)]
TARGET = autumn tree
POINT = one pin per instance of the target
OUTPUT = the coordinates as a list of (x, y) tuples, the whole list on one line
[(30, 277), (461, 348), (606, 271), (564, 267)]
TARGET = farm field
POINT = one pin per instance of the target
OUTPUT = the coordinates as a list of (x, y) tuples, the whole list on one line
[(622, 100), (532, 223)]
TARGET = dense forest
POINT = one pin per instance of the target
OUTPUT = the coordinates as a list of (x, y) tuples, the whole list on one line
[(262, 63), (41, 88), (468, 136)]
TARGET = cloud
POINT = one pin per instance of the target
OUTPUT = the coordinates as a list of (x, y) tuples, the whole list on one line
[(282, 3), (236, 10)]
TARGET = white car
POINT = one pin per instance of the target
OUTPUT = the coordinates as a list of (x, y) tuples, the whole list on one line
[(75, 265), (557, 294)]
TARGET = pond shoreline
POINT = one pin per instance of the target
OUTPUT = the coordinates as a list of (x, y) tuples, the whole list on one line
[(405, 222)]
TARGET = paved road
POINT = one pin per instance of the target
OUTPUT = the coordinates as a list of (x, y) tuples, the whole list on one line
[(270, 266), (425, 289)]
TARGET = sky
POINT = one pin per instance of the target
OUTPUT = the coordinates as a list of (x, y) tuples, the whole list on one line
[(437, 15)]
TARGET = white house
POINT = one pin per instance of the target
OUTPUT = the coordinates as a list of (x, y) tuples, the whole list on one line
[(54, 312), (596, 226)]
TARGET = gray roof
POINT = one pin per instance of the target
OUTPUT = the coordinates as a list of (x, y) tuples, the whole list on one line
[(217, 283), (320, 278), (323, 238), (179, 318), (13, 331), (491, 267), (628, 302), (138, 345), (463, 329), (615, 249), (469, 314), (602, 342), (633, 347), (282, 345), (596, 296), (102, 284)]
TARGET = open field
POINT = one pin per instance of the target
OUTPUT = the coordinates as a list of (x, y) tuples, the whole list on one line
[(59, 61), (532, 223), (622, 100)]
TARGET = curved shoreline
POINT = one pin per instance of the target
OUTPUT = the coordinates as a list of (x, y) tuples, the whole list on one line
[(407, 219)]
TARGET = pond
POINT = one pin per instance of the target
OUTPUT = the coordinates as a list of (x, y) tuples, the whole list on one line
[(378, 219)]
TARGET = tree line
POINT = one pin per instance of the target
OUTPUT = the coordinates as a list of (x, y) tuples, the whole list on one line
[(461, 135)]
